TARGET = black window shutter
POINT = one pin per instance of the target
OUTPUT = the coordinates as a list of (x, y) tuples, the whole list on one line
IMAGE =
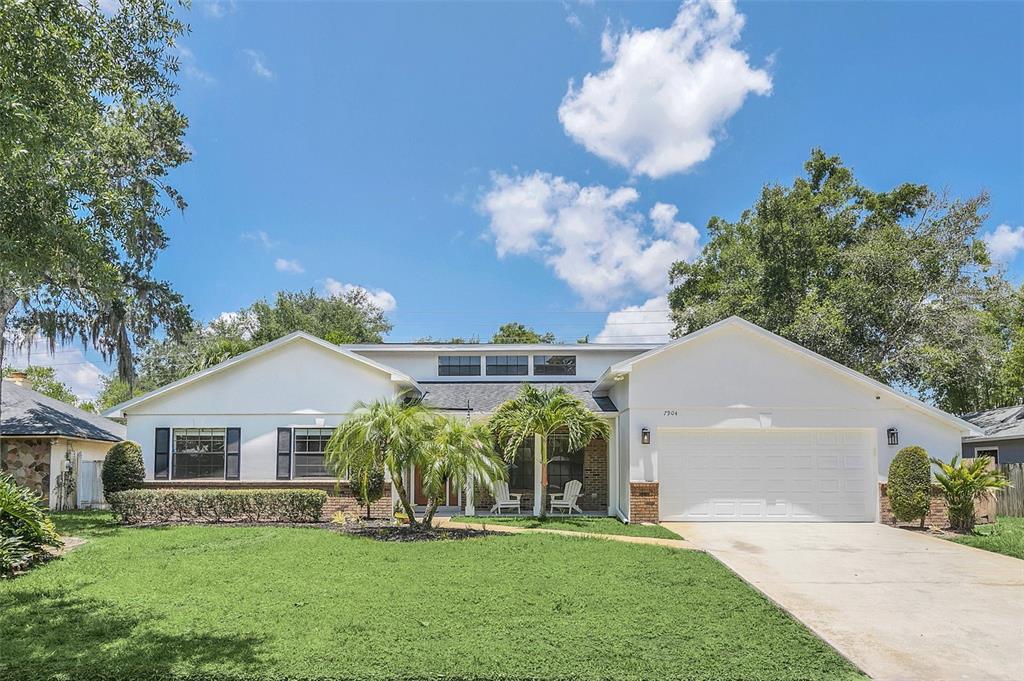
[(284, 453), (162, 454), (232, 454)]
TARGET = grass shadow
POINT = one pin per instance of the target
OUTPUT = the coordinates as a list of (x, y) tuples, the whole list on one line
[(92, 523), (56, 634)]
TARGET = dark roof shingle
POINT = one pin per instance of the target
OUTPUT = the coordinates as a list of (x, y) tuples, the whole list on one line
[(1002, 422), (485, 397), (26, 412)]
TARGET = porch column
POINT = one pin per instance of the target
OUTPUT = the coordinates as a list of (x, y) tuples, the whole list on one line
[(613, 468), (538, 493), (470, 508)]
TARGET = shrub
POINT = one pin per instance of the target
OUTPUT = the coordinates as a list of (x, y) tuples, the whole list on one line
[(367, 486), (910, 484), (962, 483), (219, 505), (25, 526), (123, 468)]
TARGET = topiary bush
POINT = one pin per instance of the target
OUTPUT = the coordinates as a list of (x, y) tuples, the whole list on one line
[(123, 468), (367, 486), (910, 484), (219, 505)]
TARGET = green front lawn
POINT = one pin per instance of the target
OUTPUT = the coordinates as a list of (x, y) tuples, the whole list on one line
[(221, 602), (1005, 536), (595, 524)]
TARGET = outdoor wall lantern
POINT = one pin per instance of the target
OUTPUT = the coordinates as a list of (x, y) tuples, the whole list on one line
[(894, 436), (645, 436)]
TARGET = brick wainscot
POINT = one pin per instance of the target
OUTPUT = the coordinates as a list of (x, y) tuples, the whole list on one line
[(938, 511), (339, 495), (643, 502)]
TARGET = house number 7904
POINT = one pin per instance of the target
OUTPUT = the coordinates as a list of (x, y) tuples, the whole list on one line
[(671, 412)]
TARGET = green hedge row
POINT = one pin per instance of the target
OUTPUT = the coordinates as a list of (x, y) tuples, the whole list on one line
[(219, 505)]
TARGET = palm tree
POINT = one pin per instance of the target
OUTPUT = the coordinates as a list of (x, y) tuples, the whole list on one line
[(458, 452), (542, 412), (962, 483), (384, 433)]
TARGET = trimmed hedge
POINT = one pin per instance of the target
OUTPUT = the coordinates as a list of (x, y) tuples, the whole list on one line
[(219, 505)]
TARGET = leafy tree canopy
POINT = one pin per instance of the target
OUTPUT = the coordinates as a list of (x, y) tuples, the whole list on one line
[(88, 134), (514, 332), (894, 284), (44, 380)]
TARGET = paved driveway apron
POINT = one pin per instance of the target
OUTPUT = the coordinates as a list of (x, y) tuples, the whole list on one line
[(899, 604)]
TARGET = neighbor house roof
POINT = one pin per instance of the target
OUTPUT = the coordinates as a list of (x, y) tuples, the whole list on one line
[(26, 412), (484, 397), (622, 369), (395, 375), (1005, 423)]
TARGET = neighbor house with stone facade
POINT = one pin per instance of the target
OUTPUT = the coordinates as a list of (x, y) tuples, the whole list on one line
[(53, 448), (730, 422)]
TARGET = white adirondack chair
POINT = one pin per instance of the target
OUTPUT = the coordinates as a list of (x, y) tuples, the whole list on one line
[(503, 499), (566, 501)]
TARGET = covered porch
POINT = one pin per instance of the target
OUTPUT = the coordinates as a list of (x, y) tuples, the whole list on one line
[(593, 467)]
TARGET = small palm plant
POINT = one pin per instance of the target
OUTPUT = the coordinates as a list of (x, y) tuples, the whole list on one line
[(386, 434), (963, 482), (543, 412), (457, 452)]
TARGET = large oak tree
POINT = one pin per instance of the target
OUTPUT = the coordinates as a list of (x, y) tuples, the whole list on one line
[(88, 135), (896, 284)]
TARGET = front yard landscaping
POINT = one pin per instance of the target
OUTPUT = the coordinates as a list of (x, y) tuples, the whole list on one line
[(223, 602), (594, 524), (1005, 536)]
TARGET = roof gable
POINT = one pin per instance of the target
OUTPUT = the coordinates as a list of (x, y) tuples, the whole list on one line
[(297, 337), (739, 325)]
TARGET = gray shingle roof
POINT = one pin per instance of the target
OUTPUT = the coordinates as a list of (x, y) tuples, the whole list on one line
[(486, 397), (1002, 422), (26, 412)]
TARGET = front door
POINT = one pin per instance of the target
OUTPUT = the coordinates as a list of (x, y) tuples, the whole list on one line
[(419, 496)]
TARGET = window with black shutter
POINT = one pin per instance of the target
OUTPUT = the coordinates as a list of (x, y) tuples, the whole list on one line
[(162, 454), (284, 453), (233, 454)]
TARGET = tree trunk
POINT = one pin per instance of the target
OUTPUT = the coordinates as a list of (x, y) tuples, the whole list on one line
[(428, 519), (403, 497), (543, 475)]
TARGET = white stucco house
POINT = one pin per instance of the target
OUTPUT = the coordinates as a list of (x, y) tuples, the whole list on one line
[(727, 423)]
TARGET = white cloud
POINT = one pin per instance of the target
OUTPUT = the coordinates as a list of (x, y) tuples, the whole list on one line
[(592, 237), (1005, 242), (258, 64), (190, 66), (667, 92), (70, 365), (290, 266), (262, 238), (379, 297), (215, 9), (645, 323)]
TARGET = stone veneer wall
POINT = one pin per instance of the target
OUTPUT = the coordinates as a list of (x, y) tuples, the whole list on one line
[(28, 462), (595, 484), (643, 502), (340, 499)]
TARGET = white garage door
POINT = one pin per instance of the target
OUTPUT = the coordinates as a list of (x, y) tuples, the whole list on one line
[(766, 475)]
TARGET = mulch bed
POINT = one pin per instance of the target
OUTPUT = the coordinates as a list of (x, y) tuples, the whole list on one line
[(379, 530), (404, 533)]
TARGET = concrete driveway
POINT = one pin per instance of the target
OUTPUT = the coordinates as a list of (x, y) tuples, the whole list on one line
[(899, 604)]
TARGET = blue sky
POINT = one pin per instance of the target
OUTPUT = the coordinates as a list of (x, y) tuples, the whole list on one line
[(437, 155)]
